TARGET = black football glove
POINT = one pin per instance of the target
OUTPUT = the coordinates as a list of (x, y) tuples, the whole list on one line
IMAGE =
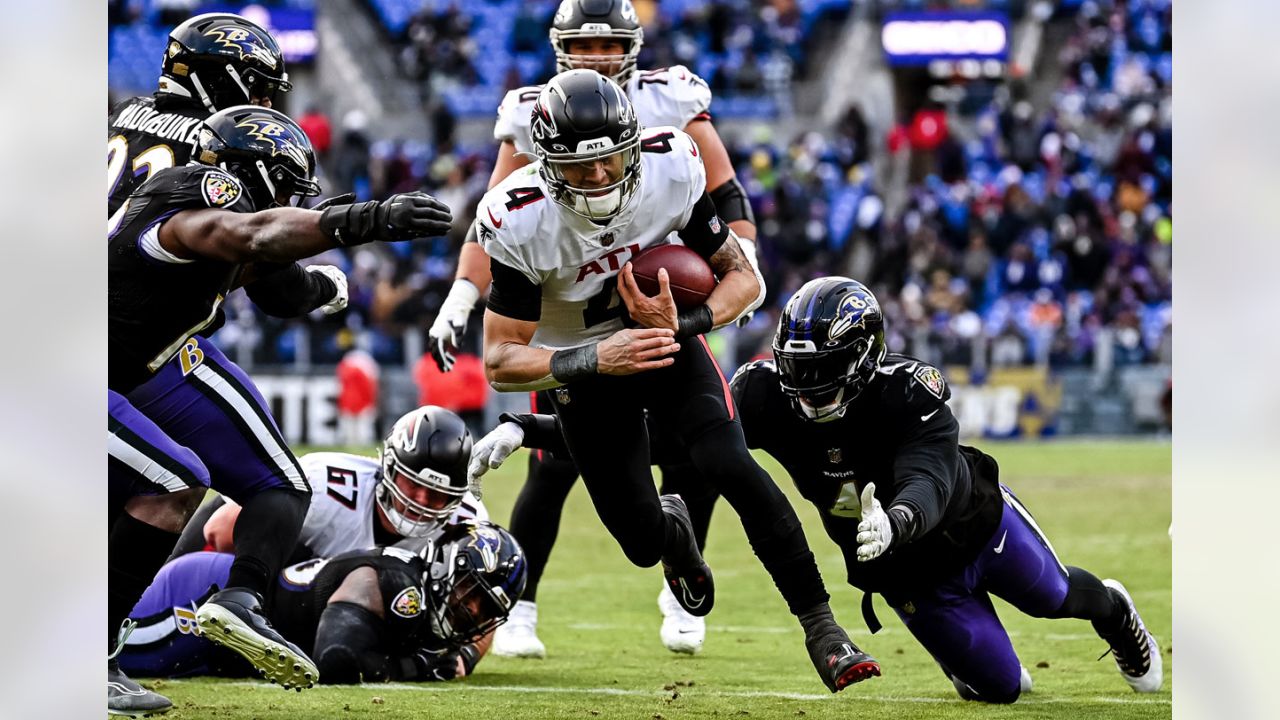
[(400, 217)]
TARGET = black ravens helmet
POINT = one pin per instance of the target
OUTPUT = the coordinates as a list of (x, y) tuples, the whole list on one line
[(424, 470), (266, 150), (829, 345), (476, 572), (223, 60), (614, 19), (583, 127)]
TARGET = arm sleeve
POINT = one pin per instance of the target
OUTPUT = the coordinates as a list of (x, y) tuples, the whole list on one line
[(512, 294), (924, 473), (705, 232), (541, 432), (290, 292)]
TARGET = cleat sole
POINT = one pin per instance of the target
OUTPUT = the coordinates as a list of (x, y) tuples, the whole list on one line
[(222, 627), (857, 673)]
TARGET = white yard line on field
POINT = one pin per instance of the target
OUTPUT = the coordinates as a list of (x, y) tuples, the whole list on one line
[(702, 691), (777, 630)]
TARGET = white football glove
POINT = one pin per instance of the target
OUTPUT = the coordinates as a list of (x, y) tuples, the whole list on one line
[(339, 279), (493, 450), (451, 322), (874, 532)]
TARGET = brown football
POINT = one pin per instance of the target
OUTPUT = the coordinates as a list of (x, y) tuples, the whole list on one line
[(691, 278)]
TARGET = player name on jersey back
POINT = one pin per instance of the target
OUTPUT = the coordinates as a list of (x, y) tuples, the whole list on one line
[(169, 126)]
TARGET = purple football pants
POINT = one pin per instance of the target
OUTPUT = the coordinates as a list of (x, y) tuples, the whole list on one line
[(207, 403), (956, 621), (142, 459), (166, 642)]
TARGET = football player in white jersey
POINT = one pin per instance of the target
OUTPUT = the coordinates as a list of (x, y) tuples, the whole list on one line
[(417, 483), (559, 234), (606, 36)]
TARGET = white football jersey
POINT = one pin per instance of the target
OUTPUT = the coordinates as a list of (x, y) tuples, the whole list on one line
[(576, 261), (343, 509), (668, 96)]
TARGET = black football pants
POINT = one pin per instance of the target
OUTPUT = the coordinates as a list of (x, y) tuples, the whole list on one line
[(603, 421), (535, 517)]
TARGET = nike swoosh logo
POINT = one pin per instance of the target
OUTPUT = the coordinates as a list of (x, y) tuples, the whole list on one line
[(689, 599), (924, 418), (496, 222), (1000, 548)]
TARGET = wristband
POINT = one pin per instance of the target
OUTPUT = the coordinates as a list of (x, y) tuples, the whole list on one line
[(903, 523), (350, 225), (574, 364), (694, 321)]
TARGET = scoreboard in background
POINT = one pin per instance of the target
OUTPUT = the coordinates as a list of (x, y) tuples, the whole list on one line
[(293, 27), (973, 44)]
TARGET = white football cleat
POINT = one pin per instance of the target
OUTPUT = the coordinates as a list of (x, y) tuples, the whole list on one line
[(681, 632), (1135, 649), (518, 636)]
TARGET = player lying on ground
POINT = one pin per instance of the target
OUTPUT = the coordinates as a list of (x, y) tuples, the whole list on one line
[(559, 233), (183, 240), (605, 36), (414, 487), (869, 440), (422, 610)]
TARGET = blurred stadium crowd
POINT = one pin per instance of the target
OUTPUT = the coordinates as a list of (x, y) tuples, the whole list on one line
[(1029, 232)]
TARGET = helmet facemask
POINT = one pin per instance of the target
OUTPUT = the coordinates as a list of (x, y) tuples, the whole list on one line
[(594, 203), (408, 517), (822, 384), (617, 67)]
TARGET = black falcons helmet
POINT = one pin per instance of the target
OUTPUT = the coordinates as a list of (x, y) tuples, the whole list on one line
[(597, 18), (829, 345), (222, 60), (476, 572), (266, 150), (426, 448), (582, 116)]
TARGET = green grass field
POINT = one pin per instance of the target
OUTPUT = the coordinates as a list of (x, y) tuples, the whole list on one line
[(1105, 505)]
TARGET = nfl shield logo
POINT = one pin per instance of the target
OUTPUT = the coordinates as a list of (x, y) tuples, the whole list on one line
[(562, 395), (607, 239), (714, 224), (835, 456)]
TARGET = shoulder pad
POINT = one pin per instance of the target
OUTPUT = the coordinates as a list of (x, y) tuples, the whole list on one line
[(750, 378), (671, 96), (198, 186), (921, 382), (500, 212), (673, 161), (514, 112)]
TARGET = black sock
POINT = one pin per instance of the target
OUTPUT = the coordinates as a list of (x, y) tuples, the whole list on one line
[(1088, 599), (135, 553), (266, 533)]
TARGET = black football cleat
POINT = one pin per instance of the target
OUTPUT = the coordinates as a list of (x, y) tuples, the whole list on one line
[(687, 574), (233, 618), (838, 661)]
